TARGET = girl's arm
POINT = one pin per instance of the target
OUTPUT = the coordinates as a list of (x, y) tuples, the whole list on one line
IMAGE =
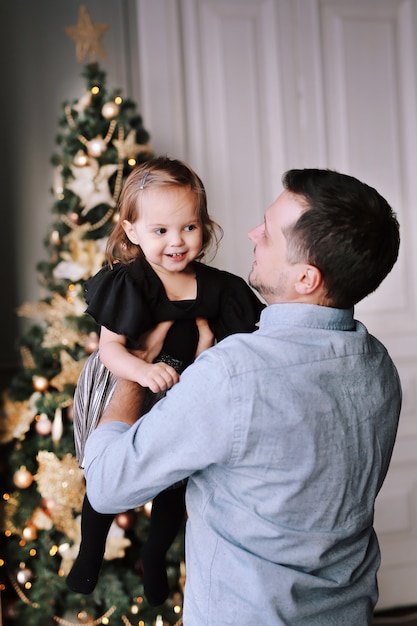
[(117, 358)]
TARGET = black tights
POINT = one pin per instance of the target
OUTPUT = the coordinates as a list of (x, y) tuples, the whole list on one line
[(168, 512)]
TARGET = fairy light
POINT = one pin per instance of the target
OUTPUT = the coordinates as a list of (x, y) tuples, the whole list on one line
[(118, 100), (95, 90)]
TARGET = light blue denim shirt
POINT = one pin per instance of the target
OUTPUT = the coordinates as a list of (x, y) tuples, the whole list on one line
[(286, 435)]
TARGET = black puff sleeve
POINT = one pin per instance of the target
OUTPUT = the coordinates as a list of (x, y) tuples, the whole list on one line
[(116, 302), (240, 308)]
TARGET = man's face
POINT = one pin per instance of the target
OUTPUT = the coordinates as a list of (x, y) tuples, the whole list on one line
[(271, 275)]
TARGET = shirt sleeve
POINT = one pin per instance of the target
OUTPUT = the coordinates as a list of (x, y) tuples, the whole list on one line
[(188, 430)]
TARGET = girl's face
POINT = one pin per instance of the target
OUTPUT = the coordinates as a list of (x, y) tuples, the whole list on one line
[(167, 229)]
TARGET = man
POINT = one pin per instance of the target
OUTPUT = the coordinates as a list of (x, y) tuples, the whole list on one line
[(285, 434)]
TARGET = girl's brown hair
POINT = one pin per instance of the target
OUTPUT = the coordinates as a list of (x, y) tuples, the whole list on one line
[(156, 173)]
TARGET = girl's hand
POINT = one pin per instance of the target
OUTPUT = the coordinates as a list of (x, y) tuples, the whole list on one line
[(157, 376)]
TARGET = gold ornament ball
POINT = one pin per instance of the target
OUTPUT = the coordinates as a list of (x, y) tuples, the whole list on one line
[(84, 618), (22, 478), (125, 520), (110, 110), (40, 383)]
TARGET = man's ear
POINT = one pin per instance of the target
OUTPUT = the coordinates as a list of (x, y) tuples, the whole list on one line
[(130, 232), (309, 281)]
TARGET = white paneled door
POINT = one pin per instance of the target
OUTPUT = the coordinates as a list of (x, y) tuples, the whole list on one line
[(245, 89)]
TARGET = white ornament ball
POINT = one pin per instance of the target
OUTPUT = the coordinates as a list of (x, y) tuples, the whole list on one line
[(96, 147), (24, 575), (43, 425), (40, 383), (110, 110)]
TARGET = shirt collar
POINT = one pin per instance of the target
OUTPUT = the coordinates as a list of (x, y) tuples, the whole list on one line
[(308, 316)]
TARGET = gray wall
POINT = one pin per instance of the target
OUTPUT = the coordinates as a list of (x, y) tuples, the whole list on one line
[(39, 71)]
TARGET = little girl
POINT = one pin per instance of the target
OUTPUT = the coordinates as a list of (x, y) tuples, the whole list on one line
[(153, 275)]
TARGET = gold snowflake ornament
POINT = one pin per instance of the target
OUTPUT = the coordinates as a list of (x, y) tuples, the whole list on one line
[(70, 371), (61, 483), (16, 419), (128, 148)]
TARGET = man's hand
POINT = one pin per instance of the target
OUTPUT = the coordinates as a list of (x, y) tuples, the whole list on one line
[(151, 342), (206, 336)]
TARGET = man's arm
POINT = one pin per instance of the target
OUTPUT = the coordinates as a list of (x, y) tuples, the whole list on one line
[(191, 428)]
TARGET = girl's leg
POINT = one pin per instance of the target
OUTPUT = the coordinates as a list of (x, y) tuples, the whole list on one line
[(94, 530), (168, 512)]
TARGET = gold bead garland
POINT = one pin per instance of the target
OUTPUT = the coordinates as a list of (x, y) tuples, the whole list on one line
[(22, 596), (97, 621), (83, 139), (27, 358), (118, 183), (88, 227)]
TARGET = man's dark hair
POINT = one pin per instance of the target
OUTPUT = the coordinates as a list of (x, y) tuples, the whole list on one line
[(348, 231)]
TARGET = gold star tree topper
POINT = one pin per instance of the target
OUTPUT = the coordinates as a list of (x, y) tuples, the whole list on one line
[(87, 37)]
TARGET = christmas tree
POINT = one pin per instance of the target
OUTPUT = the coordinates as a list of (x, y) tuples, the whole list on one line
[(101, 139)]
